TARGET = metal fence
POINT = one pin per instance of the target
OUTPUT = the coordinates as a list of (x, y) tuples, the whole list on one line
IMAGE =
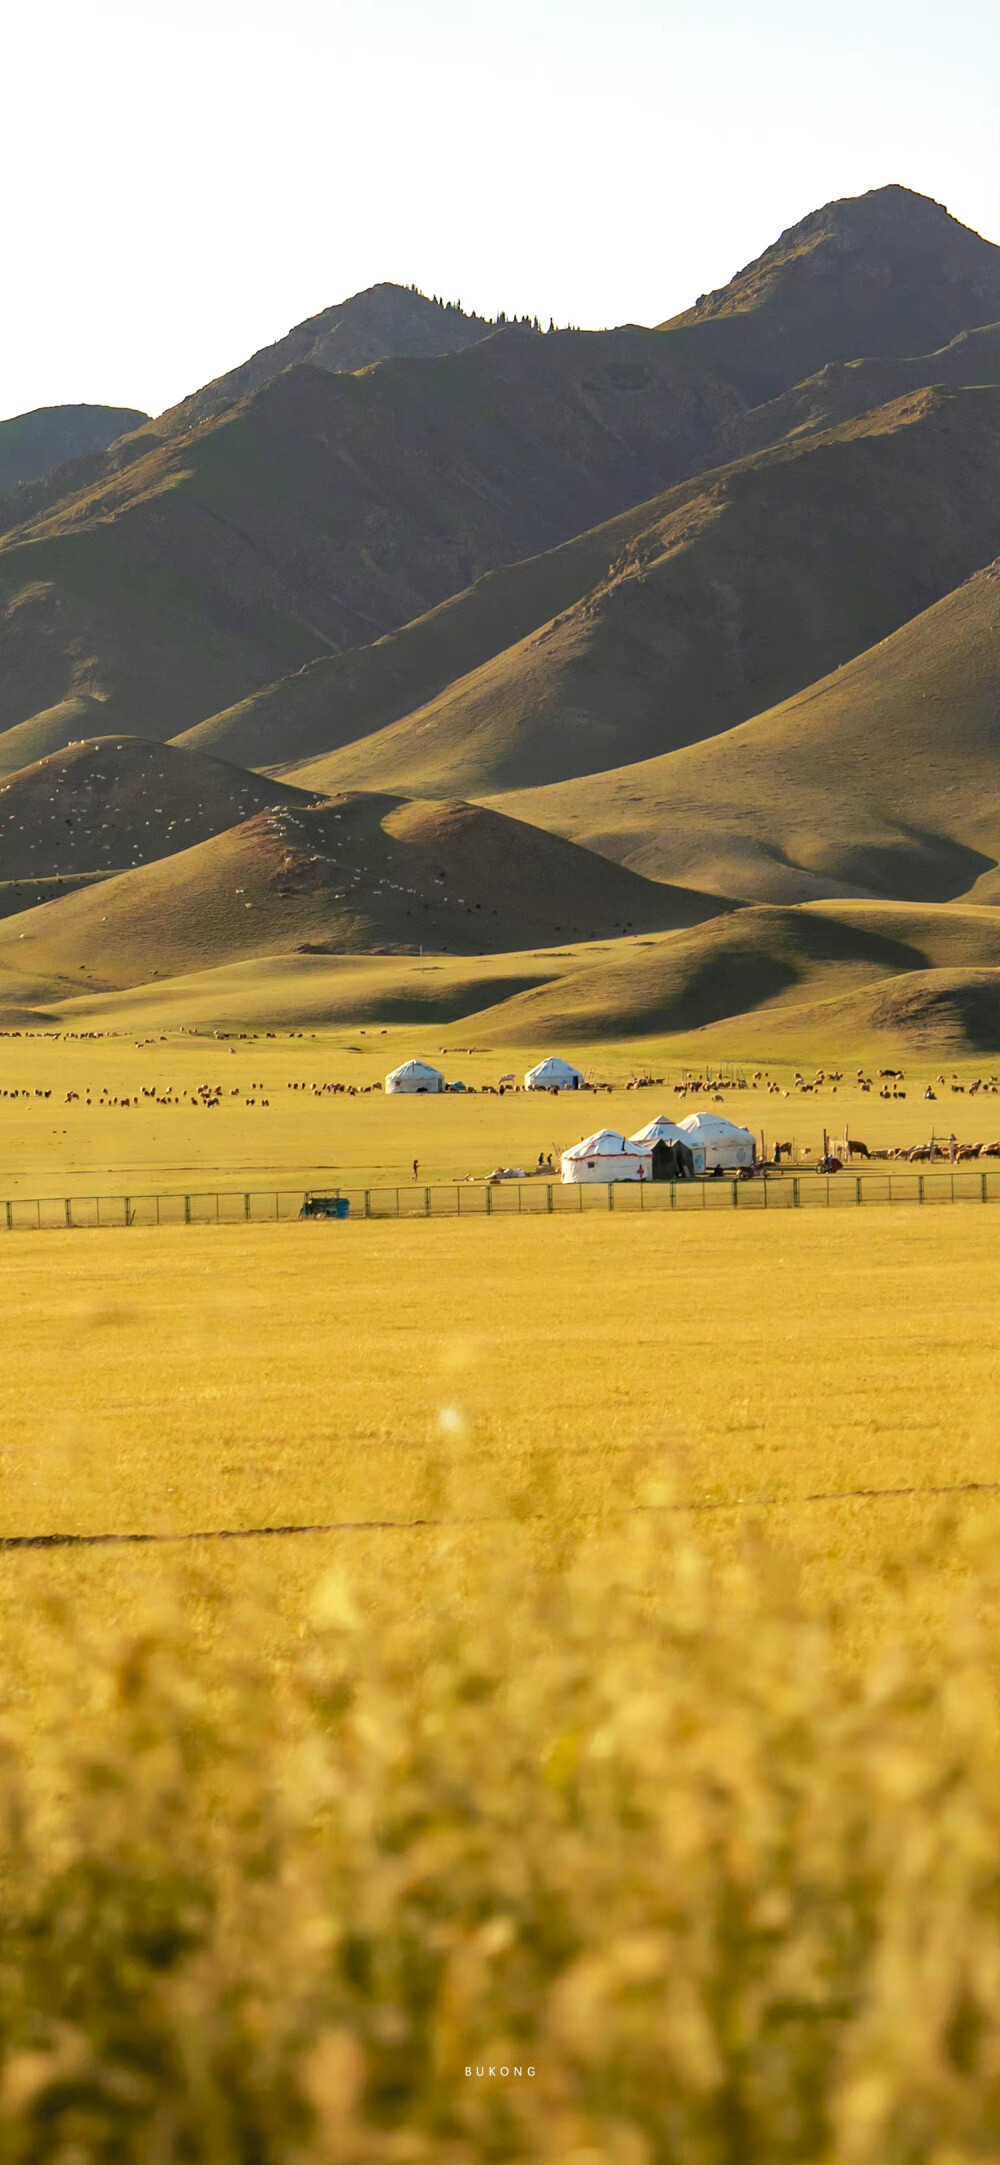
[(511, 1198)]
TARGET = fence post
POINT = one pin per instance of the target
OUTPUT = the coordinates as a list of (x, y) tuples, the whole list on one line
[(857, 1187), (67, 1211), (982, 1186), (128, 1210), (673, 1203), (795, 1191), (489, 1200), (920, 1187), (611, 1195), (548, 1192), (9, 1207), (368, 1203), (765, 1191), (187, 1209), (736, 1194), (246, 1206), (427, 1202)]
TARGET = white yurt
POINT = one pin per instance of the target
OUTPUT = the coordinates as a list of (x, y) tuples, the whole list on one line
[(553, 1074), (607, 1156), (415, 1079), (722, 1141), (663, 1135)]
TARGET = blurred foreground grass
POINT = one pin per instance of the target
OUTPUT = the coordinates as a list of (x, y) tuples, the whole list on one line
[(638, 1768), (620, 1819)]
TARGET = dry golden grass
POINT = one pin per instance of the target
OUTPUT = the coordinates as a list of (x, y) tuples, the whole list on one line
[(660, 1758), (566, 1369), (636, 1767)]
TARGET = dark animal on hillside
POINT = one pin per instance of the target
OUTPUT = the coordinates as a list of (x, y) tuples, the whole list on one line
[(856, 1149), (895, 1074)]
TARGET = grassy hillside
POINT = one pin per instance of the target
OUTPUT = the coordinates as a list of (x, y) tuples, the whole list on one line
[(843, 389), (32, 443), (340, 697), (69, 722), (741, 589), (879, 779), (724, 971), (188, 568), (113, 802), (743, 980), (327, 509), (367, 874), (889, 272)]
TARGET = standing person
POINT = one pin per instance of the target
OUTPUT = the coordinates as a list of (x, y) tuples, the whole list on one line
[(952, 1148), (416, 1167)]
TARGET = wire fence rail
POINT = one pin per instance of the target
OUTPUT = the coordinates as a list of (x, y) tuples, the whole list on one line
[(504, 1199)]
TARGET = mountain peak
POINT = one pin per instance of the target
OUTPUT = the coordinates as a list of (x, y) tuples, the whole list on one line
[(900, 231)]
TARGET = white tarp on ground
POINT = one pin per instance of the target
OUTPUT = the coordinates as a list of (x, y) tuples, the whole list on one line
[(607, 1156), (416, 1078), (723, 1142), (662, 1130), (553, 1074)]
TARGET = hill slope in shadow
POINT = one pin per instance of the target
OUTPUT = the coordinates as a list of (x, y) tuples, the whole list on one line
[(880, 779), (739, 590)]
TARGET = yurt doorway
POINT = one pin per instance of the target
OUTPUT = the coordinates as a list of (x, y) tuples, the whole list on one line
[(664, 1162)]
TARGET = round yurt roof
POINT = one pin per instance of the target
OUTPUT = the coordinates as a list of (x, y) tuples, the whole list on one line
[(711, 1127), (660, 1130), (413, 1068), (553, 1066), (607, 1143)]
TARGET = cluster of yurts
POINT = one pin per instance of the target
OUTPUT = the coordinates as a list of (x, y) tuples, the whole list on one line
[(663, 1150)]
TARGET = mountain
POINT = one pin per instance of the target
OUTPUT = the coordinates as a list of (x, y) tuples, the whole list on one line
[(228, 545), (737, 591), (333, 701), (367, 874), (384, 323), (32, 443), (889, 272), (879, 779), (324, 510), (113, 802)]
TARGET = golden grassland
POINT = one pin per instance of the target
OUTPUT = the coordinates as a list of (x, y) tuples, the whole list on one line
[(563, 1371), (636, 1767), (659, 1758), (51, 1147)]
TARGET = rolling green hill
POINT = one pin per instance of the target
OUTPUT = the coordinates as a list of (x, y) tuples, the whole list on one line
[(367, 874), (879, 779), (113, 802), (740, 590)]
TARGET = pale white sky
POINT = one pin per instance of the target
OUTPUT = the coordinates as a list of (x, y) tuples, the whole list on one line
[(185, 179)]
